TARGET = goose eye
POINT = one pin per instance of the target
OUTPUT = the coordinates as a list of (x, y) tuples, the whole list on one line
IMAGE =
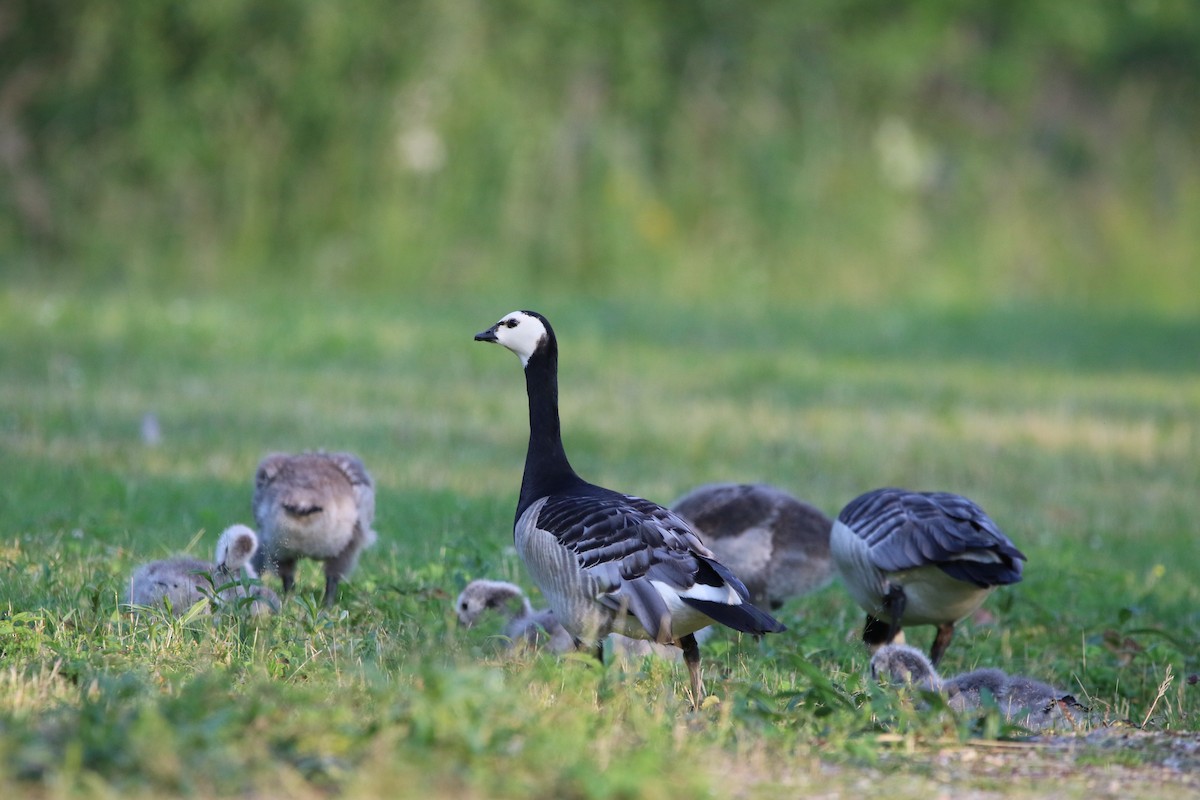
[(510, 323)]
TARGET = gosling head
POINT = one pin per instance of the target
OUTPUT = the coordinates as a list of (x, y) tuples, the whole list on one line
[(523, 332), (901, 665), (235, 548), (482, 596)]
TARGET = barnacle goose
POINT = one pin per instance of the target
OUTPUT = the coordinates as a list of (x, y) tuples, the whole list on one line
[(313, 505), (607, 561), (920, 558), (777, 544)]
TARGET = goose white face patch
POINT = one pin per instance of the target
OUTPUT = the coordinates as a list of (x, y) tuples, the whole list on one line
[(520, 333)]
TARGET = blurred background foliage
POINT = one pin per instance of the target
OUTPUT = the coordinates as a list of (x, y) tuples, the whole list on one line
[(837, 151)]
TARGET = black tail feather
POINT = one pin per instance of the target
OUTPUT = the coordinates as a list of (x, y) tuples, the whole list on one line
[(745, 617), (983, 574)]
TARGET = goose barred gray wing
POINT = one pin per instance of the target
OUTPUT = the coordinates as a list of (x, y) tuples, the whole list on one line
[(905, 530), (641, 556), (920, 558)]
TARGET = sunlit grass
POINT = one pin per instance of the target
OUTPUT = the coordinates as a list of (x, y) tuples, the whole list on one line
[(1082, 448)]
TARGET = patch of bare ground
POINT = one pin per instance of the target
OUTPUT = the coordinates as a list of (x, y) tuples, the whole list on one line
[(1112, 762)]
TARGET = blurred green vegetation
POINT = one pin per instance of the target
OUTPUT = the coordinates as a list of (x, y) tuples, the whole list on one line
[(945, 152), (1078, 432)]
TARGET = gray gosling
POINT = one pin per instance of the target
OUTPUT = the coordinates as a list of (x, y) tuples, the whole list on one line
[(528, 627), (523, 626), (777, 544), (1024, 701), (313, 505), (181, 582)]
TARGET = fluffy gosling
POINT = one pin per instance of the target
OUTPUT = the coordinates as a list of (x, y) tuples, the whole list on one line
[(526, 626), (523, 625), (180, 582), (313, 505), (1023, 701)]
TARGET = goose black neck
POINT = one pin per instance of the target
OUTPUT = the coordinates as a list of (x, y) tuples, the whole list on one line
[(546, 466)]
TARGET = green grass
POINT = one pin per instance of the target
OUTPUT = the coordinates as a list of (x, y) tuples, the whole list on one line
[(1077, 431)]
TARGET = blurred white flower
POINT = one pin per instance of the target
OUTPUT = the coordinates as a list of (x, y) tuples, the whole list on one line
[(907, 162), (421, 150)]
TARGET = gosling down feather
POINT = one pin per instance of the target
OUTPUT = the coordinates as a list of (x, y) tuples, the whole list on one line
[(777, 544), (920, 558), (606, 561), (313, 505)]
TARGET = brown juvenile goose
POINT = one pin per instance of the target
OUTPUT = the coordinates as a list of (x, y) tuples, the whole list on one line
[(777, 544), (313, 505)]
